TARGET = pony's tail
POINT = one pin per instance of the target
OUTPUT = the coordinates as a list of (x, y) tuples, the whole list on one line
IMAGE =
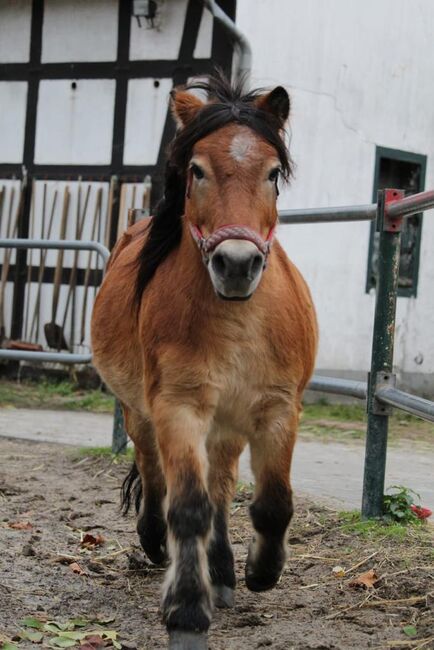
[(131, 491)]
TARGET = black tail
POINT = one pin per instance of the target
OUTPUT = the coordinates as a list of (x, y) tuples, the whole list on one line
[(131, 490)]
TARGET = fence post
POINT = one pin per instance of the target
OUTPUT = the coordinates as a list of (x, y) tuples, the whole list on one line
[(382, 354), (119, 438)]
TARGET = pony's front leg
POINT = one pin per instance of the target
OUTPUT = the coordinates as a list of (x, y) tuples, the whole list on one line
[(186, 605), (271, 509)]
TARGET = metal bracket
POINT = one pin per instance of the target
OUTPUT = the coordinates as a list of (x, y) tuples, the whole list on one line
[(391, 224), (381, 380)]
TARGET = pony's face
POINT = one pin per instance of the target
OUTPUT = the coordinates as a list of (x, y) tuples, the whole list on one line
[(232, 180)]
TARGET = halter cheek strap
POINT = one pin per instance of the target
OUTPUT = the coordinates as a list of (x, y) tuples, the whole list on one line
[(207, 245)]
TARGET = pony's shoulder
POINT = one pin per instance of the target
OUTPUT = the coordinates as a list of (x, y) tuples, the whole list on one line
[(135, 233)]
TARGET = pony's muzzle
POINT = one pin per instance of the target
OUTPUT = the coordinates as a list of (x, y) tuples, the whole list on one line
[(235, 267)]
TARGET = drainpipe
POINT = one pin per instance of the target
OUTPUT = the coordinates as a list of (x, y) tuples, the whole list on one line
[(243, 66)]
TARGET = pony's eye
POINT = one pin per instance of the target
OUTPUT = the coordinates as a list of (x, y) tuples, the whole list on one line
[(197, 171), (274, 174)]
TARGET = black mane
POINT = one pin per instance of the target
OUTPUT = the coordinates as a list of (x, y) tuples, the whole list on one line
[(228, 104)]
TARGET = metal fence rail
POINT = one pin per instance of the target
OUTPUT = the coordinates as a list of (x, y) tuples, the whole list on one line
[(379, 392), (54, 244)]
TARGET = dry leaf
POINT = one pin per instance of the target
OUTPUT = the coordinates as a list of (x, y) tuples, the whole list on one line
[(367, 579), (90, 541), (76, 568), (93, 643), (338, 571), (20, 525)]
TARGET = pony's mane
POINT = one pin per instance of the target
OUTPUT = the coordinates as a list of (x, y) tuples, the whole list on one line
[(228, 103)]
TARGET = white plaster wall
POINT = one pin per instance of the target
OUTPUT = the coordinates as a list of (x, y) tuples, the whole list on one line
[(15, 17), (163, 42), (75, 126), (13, 96), (82, 30), (204, 38), (359, 75), (146, 115)]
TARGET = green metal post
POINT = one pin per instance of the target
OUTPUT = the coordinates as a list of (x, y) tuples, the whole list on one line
[(382, 354), (119, 439)]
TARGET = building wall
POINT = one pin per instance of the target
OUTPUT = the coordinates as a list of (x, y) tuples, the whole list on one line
[(360, 75), (84, 92)]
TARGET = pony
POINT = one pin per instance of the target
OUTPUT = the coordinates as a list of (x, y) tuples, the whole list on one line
[(206, 333)]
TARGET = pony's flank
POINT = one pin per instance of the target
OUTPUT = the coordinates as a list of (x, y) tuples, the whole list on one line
[(226, 104)]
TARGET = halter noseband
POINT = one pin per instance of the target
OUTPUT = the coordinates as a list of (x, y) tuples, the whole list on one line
[(231, 231)]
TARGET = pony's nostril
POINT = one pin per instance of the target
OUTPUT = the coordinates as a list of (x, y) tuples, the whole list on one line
[(256, 264), (219, 264)]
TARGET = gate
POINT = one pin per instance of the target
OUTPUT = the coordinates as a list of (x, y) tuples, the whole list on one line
[(379, 391)]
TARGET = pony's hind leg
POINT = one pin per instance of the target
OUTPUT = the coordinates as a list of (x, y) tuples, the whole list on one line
[(223, 458), (145, 485), (272, 508)]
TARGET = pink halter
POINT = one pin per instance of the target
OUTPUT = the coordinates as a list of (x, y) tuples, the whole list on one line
[(231, 231)]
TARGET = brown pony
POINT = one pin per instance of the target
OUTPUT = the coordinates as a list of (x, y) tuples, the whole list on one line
[(206, 333)]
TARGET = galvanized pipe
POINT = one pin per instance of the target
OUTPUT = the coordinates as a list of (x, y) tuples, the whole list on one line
[(244, 66), (418, 406), (411, 205), (349, 387), (324, 215), (56, 244), (65, 244), (52, 357)]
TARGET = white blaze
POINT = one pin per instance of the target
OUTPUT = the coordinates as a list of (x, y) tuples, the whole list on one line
[(241, 146)]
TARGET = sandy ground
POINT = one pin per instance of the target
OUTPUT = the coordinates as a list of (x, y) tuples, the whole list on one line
[(50, 497), (328, 470)]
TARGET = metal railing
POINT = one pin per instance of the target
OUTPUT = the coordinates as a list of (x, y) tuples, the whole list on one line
[(54, 244), (379, 391)]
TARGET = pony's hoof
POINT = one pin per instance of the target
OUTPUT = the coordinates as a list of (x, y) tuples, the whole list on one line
[(224, 597), (255, 582), (179, 640)]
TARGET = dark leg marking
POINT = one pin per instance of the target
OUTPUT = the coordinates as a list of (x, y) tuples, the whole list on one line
[(271, 513), (151, 524), (187, 602), (221, 562)]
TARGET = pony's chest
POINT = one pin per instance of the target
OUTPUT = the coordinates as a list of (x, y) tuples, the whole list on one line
[(252, 392)]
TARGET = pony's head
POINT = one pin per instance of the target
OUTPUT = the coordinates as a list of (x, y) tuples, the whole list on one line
[(222, 178)]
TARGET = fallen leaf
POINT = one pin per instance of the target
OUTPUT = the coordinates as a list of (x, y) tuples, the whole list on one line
[(93, 643), (61, 642), (338, 571), (20, 525), (32, 635), (76, 568), (30, 621), (366, 579), (90, 541), (409, 630)]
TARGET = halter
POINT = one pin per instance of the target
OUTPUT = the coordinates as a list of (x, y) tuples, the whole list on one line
[(207, 245)]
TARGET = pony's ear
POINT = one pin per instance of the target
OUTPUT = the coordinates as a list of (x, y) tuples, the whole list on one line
[(276, 102), (185, 107)]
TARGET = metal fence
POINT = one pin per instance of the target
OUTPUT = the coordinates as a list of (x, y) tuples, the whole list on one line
[(379, 392)]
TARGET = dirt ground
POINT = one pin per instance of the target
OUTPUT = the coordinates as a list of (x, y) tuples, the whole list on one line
[(50, 497)]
